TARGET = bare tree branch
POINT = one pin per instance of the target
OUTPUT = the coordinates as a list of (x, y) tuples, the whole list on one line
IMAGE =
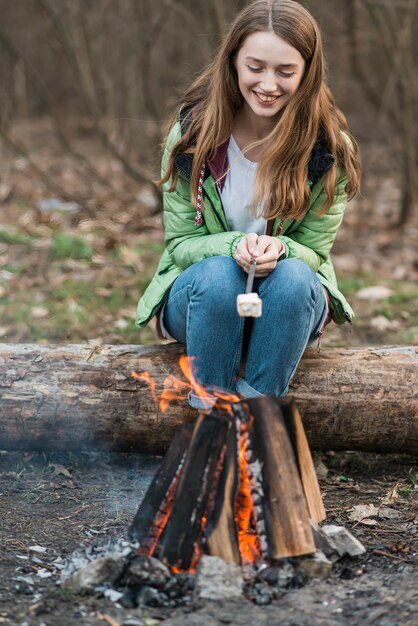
[(17, 148), (91, 104), (38, 86)]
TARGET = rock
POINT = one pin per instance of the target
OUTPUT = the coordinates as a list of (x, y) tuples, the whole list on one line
[(148, 596), (375, 293), (270, 575), (113, 595), (321, 470), (217, 580), (382, 324), (145, 570), (316, 565), (282, 575), (345, 542), (323, 543), (49, 205), (106, 569)]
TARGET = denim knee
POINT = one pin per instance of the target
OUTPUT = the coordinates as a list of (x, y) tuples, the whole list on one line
[(295, 280), (220, 281)]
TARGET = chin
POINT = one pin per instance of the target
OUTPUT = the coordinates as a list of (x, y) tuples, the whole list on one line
[(267, 113)]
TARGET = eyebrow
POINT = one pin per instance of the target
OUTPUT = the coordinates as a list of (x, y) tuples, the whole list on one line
[(281, 65)]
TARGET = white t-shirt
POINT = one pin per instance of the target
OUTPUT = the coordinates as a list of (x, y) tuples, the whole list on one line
[(238, 192)]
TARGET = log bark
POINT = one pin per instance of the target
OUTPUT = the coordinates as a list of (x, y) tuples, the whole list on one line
[(79, 397)]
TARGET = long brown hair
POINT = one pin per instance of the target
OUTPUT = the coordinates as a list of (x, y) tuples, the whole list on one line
[(214, 99)]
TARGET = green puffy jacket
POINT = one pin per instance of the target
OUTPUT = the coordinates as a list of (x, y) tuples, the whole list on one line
[(309, 239)]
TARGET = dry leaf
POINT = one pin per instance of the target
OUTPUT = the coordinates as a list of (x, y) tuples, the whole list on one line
[(362, 513), (60, 469), (392, 495), (107, 618)]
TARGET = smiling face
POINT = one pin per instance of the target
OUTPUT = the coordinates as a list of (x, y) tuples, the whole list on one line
[(269, 72)]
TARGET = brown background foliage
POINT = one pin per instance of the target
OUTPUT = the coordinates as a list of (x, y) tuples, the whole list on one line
[(118, 65)]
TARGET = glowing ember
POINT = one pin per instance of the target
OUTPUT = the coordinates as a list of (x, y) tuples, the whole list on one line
[(247, 537)]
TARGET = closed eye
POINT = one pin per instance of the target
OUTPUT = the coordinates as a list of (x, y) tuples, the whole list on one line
[(281, 73)]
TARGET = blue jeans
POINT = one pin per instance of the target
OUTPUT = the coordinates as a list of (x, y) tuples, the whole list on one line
[(201, 313)]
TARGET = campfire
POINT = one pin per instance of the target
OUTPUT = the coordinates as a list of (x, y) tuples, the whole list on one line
[(240, 485), (235, 501)]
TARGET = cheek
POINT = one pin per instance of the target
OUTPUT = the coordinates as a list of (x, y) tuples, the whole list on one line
[(245, 78), (295, 85)]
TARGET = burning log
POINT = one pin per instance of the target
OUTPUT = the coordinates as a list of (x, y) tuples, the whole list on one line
[(241, 503), (158, 500), (80, 397), (192, 494), (221, 534), (281, 512)]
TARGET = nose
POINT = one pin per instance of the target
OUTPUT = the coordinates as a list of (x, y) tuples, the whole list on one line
[(268, 83)]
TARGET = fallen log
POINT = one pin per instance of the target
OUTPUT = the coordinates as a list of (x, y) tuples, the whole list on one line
[(79, 397)]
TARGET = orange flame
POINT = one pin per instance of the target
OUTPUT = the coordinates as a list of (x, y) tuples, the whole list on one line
[(175, 390), (248, 541), (145, 376)]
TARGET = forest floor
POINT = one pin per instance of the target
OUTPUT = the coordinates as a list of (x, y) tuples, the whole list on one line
[(72, 272), (51, 505)]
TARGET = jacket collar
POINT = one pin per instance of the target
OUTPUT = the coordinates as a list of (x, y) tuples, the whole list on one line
[(320, 160)]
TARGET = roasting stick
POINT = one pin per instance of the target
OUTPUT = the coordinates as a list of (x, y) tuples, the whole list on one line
[(251, 275), (249, 304)]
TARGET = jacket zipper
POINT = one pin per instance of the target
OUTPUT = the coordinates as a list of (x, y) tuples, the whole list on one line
[(320, 333)]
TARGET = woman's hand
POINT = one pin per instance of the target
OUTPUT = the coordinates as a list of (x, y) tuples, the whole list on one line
[(266, 250)]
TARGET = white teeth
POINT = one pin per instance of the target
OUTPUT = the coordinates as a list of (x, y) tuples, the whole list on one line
[(266, 98)]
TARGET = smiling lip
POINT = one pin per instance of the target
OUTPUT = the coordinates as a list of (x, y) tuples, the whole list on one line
[(269, 99)]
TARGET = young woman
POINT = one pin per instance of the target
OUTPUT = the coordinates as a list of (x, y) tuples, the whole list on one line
[(258, 164)]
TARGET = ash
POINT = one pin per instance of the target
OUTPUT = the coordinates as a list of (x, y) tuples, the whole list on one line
[(83, 556), (117, 570)]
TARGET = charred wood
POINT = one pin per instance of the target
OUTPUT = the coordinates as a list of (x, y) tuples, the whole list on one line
[(220, 531), (191, 498), (157, 502)]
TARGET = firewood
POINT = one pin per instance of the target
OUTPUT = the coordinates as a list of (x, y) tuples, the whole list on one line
[(284, 510), (236, 492), (80, 397), (304, 460), (221, 534), (191, 497), (157, 501)]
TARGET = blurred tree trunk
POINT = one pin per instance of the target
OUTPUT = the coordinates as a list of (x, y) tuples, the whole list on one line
[(393, 94), (118, 67)]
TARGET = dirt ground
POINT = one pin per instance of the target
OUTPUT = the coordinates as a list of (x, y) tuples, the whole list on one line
[(52, 505)]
